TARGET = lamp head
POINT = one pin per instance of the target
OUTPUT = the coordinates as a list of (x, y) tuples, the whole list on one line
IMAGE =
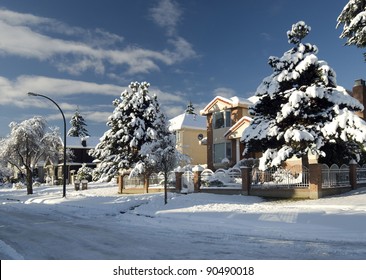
[(32, 94)]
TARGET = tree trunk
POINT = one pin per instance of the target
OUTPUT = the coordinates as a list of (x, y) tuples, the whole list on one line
[(146, 182), (29, 181)]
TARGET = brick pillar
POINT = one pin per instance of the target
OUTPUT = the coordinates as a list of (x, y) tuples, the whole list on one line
[(197, 170), (197, 180), (315, 181), (246, 179), (353, 174), (178, 181)]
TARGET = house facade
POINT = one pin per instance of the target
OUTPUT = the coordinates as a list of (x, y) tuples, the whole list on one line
[(188, 130), (226, 120), (79, 148)]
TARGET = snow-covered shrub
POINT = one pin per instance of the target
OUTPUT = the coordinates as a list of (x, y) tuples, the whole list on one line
[(84, 173), (96, 175), (211, 181), (19, 186)]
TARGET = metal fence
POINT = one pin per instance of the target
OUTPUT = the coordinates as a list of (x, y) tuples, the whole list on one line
[(361, 174), (335, 176), (155, 180), (221, 178), (295, 177), (134, 182)]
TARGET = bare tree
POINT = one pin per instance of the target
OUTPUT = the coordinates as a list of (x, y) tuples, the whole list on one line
[(27, 143)]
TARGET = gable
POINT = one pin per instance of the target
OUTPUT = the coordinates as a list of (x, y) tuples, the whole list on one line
[(217, 104), (220, 103), (237, 129)]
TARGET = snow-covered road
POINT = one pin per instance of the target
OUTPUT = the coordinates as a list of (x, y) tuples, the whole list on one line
[(99, 224)]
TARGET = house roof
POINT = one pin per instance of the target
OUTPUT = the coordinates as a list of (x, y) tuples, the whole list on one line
[(187, 121), (226, 102), (76, 142), (238, 126)]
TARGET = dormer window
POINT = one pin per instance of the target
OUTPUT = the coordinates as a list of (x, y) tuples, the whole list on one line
[(221, 119)]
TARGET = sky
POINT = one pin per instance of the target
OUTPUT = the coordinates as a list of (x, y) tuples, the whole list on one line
[(84, 53)]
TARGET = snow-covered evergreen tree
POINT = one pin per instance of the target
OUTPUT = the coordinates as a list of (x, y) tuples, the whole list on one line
[(132, 124), (27, 143), (159, 155), (301, 109), (190, 109), (78, 126), (353, 18)]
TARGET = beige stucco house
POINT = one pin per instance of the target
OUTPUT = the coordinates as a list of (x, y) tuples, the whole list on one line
[(226, 120), (189, 129)]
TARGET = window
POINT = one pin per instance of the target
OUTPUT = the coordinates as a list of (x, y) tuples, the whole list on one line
[(221, 119), (222, 151), (228, 118), (218, 120)]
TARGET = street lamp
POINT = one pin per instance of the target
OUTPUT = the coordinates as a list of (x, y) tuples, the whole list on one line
[(63, 116)]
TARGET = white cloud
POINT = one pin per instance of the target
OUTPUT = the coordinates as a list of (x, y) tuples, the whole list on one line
[(167, 14), (98, 117), (28, 36), (89, 116), (183, 49), (14, 93), (224, 92), (173, 111)]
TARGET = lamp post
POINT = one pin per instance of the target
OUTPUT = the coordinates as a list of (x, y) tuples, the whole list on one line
[(63, 116)]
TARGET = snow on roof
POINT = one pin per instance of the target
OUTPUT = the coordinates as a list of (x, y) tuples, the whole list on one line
[(76, 142), (238, 125), (187, 121), (231, 103)]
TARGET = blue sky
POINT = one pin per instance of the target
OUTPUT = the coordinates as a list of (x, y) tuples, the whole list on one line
[(83, 53)]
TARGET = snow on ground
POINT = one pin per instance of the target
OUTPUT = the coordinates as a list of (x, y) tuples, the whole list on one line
[(102, 224)]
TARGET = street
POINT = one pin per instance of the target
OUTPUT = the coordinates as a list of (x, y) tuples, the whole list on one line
[(32, 235)]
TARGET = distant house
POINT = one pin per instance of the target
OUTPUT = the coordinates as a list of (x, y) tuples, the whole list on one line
[(189, 129), (226, 121), (79, 148)]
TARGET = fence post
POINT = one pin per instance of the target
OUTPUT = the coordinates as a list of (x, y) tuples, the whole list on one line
[(315, 181), (353, 174), (178, 180), (120, 183), (197, 170), (246, 179)]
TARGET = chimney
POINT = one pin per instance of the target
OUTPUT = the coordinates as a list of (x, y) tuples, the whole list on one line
[(359, 92), (83, 142), (359, 82)]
